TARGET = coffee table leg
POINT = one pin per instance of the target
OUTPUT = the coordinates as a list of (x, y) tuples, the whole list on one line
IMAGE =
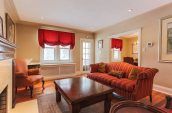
[(58, 96), (107, 103), (75, 108)]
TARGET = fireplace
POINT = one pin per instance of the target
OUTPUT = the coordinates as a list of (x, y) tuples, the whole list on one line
[(7, 94), (3, 101)]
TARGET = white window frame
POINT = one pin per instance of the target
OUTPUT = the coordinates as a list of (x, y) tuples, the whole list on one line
[(91, 52), (63, 47), (56, 56), (119, 54), (49, 61)]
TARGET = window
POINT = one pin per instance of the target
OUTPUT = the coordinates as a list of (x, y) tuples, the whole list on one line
[(86, 53), (49, 53), (64, 52), (55, 54), (116, 54)]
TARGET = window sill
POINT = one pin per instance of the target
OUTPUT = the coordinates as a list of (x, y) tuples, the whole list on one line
[(57, 64)]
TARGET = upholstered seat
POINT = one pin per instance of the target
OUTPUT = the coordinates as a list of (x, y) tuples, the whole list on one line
[(26, 77), (102, 77), (124, 84), (35, 78)]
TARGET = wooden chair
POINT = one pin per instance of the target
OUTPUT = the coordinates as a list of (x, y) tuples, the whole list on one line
[(26, 77), (129, 60)]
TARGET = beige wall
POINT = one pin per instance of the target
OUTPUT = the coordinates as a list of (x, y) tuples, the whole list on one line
[(28, 46), (127, 47), (27, 43), (149, 22)]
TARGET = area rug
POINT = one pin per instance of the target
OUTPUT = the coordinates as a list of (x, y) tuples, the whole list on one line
[(47, 104)]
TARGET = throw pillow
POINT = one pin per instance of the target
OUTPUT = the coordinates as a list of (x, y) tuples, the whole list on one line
[(102, 67), (118, 74), (133, 74)]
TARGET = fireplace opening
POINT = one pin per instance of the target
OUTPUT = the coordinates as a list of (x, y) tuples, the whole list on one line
[(3, 101)]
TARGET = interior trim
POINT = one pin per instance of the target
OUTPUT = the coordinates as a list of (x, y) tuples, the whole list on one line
[(7, 50), (162, 89)]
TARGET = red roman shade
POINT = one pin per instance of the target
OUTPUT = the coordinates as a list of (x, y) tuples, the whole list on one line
[(116, 43), (52, 38)]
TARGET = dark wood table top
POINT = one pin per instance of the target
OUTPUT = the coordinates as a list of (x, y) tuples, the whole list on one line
[(80, 88)]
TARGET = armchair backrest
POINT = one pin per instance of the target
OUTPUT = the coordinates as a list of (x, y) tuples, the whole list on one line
[(21, 66), (129, 60)]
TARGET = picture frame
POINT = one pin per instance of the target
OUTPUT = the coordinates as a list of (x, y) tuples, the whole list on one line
[(135, 48), (1, 28), (10, 29), (100, 44), (165, 39)]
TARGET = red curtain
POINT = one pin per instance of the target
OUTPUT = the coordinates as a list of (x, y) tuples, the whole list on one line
[(116, 43), (53, 38)]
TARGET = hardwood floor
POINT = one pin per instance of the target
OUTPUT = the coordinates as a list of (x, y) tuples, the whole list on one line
[(24, 95)]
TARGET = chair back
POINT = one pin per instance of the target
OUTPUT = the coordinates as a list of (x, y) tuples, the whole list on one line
[(129, 60), (21, 66)]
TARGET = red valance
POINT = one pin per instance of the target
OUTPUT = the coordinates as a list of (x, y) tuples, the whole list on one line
[(116, 43), (52, 38)]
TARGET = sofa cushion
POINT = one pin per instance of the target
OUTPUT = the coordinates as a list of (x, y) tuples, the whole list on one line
[(101, 67), (118, 74), (124, 84), (102, 77), (122, 66), (133, 74)]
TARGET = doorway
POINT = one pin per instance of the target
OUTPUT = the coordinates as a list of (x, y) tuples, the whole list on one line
[(87, 47), (131, 50)]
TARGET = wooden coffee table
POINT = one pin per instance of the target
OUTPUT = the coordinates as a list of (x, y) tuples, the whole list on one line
[(81, 92)]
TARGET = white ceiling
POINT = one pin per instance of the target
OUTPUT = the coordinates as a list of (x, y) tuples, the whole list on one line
[(89, 15)]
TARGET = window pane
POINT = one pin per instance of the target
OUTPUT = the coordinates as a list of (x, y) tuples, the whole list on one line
[(116, 54), (47, 46), (87, 56), (49, 54), (86, 62), (86, 51), (84, 45), (64, 54), (67, 47), (87, 45)]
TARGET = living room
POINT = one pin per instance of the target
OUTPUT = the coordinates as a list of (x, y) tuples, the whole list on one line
[(72, 51)]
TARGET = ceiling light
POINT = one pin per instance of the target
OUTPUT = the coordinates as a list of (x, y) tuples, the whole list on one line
[(130, 10)]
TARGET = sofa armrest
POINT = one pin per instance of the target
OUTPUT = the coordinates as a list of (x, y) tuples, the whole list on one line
[(149, 73), (33, 71), (144, 83), (20, 75), (94, 68)]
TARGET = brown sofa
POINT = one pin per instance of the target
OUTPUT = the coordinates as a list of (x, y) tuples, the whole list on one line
[(130, 89)]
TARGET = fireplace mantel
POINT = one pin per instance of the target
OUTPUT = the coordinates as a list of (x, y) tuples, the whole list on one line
[(7, 49)]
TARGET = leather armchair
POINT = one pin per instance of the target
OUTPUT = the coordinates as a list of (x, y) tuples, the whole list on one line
[(26, 77)]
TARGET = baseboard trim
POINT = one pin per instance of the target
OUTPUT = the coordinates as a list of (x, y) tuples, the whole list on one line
[(162, 89), (54, 77)]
